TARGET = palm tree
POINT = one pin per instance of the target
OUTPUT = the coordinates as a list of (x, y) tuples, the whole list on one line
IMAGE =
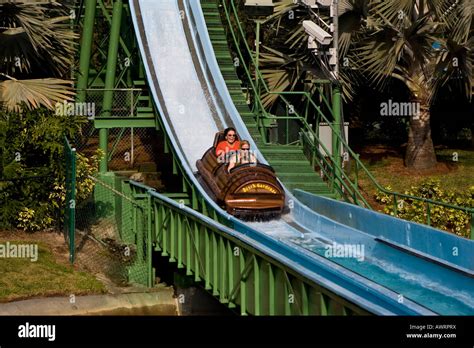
[(424, 44), (36, 54)]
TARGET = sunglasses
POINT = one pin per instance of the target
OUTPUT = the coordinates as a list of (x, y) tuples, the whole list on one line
[(245, 149)]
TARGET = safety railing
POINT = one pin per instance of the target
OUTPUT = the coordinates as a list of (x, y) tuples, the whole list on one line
[(341, 181), (228, 263), (122, 102), (70, 201), (119, 107)]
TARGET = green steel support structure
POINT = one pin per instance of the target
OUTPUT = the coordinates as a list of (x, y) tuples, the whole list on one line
[(237, 274), (336, 99), (343, 184), (329, 162), (86, 49), (336, 144), (110, 78)]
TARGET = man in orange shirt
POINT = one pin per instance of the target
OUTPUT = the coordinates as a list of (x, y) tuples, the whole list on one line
[(226, 148)]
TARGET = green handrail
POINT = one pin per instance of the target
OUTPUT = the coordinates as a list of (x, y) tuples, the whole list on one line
[(70, 208), (359, 164), (297, 117)]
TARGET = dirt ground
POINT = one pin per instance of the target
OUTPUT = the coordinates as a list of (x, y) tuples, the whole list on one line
[(378, 153), (54, 241)]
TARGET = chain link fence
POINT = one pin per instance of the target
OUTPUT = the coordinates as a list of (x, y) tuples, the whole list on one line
[(124, 102), (109, 233), (128, 147), (106, 230)]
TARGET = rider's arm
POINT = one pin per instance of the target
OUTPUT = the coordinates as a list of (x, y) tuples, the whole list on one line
[(219, 149), (232, 162)]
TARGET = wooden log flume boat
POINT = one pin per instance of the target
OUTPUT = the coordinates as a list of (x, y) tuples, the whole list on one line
[(249, 191)]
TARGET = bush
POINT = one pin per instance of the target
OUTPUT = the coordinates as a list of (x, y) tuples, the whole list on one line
[(32, 184), (444, 218)]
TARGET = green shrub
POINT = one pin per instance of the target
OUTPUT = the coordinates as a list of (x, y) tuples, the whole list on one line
[(444, 218), (32, 182)]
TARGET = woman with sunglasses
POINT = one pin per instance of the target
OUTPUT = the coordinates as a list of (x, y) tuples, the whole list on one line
[(243, 156), (229, 144)]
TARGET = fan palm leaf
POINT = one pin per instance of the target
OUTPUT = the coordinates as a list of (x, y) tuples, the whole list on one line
[(281, 72), (34, 93), (32, 38), (352, 15)]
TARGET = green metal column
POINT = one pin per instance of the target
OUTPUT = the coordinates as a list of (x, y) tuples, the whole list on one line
[(336, 102), (72, 208), (257, 53), (110, 77), (86, 49), (336, 144), (149, 241)]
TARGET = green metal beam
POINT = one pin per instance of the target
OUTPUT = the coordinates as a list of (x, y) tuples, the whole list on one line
[(110, 77), (235, 272), (124, 122), (336, 134), (86, 48)]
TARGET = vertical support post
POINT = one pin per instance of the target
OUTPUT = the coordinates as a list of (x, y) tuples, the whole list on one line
[(132, 147), (149, 241), (132, 140), (336, 145), (257, 54), (72, 208), (336, 100), (103, 143), (306, 111), (86, 49), (110, 77), (257, 111)]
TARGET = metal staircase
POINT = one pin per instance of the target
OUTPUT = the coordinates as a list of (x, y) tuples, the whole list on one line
[(289, 162)]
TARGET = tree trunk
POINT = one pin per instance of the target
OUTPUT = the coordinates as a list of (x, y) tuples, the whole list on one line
[(472, 134), (420, 152)]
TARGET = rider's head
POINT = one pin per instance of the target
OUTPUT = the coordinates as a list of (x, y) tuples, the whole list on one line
[(230, 135), (244, 145)]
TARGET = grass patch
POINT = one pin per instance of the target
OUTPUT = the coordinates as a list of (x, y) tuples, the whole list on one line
[(389, 170), (21, 278)]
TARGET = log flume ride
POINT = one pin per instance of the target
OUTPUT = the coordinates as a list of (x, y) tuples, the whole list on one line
[(249, 191)]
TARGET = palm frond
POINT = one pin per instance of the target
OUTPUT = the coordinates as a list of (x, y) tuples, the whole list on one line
[(34, 93), (454, 67), (281, 8), (379, 54), (36, 39), (352, 14), (395, 12), (457, 16), (16, 52), (280, 71)]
